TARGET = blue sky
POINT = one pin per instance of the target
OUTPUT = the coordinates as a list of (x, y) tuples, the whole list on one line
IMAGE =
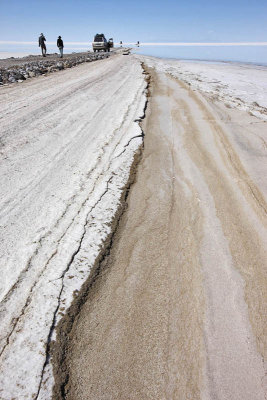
[(143, 20)]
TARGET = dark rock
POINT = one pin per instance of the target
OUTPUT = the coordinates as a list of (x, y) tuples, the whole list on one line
[(11, 79), (60, 66), (19, 76), (37, 67)]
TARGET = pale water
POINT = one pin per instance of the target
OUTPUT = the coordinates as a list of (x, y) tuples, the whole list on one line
[(20, 50), (244, 54)]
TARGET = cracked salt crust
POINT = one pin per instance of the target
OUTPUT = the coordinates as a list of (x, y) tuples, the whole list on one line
[(68, 148)]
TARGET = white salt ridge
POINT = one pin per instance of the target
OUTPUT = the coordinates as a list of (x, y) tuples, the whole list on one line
[(241, 86), (63, 170)]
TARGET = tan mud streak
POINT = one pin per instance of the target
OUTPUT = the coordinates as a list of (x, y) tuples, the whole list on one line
[(247, 245), (146, 330)]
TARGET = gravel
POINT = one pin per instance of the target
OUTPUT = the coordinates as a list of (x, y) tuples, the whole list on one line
[(14, 70)]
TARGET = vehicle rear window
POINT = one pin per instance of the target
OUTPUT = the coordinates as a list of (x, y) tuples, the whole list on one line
[(99, 38)]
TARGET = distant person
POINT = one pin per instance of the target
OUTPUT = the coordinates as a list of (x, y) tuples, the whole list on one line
[(60, 46), (42, 40), (121, 43)]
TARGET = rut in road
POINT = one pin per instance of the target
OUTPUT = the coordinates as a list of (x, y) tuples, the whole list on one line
[(176, 310)]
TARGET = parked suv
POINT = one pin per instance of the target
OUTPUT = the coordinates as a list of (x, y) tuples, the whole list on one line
[(100, 43)]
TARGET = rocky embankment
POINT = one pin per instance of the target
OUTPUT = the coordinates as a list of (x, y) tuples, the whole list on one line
[(18, 72)]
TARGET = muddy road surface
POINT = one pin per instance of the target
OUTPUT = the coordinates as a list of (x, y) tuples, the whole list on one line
[(176, 310)]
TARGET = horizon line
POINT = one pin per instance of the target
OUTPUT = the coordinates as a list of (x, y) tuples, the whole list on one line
[(148, 43)]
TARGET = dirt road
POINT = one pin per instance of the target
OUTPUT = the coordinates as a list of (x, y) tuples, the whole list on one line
[(177, 308), (67, 144)]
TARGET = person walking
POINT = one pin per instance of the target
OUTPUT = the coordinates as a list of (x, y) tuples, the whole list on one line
[(42, 40), (60, 46)]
